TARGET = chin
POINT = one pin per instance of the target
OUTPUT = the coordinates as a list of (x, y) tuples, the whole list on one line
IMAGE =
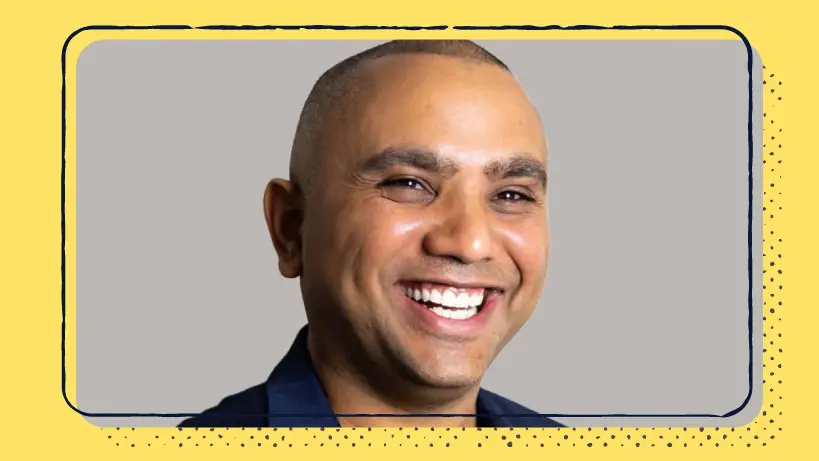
[(440, 364), (448, 378)]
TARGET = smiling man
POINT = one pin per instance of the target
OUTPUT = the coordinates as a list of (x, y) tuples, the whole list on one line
[(415, 217)]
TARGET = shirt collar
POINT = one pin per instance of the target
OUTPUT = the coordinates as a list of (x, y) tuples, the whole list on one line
[(294, 389)]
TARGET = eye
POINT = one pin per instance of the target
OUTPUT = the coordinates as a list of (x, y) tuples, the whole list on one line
[(407, 190), (514, 196), (513, 201), (409, 183)]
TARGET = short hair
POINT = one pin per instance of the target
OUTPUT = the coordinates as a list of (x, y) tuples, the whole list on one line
[(331, 89)]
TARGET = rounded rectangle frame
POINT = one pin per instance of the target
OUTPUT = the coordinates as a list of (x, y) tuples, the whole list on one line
[(699, 435)]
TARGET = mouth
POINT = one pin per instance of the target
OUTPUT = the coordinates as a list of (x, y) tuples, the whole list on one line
[(448, 301)]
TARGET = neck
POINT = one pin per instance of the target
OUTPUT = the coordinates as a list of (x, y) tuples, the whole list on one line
[(351, 392)]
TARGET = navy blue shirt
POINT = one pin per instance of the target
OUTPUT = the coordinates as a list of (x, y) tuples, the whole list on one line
[(293, 391)]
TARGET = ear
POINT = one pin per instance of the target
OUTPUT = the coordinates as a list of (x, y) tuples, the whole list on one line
[(283, 212)]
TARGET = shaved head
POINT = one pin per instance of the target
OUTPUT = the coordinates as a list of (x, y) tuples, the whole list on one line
[(333, 92), (417, 178)]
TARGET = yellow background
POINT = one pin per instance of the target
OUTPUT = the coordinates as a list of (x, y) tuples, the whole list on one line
[(36, 420)]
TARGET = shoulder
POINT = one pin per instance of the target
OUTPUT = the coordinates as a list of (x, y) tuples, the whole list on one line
[(508, 413), (244, 409)]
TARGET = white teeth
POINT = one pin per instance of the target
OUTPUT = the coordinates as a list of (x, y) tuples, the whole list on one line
[(475, 300), (460, 314), (462, 301), (464, 314), (449, 299), (450, 304)]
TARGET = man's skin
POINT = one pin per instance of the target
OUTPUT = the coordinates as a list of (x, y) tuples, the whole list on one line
[(435, 173)]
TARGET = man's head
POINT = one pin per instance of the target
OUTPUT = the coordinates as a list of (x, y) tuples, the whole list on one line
[(416, 213)]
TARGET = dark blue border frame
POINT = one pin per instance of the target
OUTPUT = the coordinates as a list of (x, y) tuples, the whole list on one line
[(440, 27)]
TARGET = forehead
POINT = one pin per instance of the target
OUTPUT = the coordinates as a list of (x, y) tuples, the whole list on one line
[(472, 111)]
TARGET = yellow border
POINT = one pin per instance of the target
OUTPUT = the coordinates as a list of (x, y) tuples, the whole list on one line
[(38, 422), (412, 437)]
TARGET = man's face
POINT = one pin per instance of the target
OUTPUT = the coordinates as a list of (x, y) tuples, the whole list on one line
[(426, 239)]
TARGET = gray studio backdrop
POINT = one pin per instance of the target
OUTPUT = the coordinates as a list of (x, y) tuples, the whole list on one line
[(645, 308)]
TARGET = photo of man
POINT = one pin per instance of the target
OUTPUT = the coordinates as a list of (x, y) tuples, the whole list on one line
[(415, 218)]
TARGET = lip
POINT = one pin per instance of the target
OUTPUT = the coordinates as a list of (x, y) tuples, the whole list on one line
[(424, 319), (454, 283)]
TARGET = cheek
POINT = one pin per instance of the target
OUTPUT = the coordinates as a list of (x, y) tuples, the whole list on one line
[(389, 236), (381, 235), (403, 228), (527, 243)]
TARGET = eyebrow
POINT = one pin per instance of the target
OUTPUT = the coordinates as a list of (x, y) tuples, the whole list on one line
[(518, 166), (421, 159)]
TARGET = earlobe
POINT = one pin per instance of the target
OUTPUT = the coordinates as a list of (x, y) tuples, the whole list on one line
[(282, 210)]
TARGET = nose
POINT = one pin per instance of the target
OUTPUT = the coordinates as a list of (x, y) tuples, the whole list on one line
[(462, 233)]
